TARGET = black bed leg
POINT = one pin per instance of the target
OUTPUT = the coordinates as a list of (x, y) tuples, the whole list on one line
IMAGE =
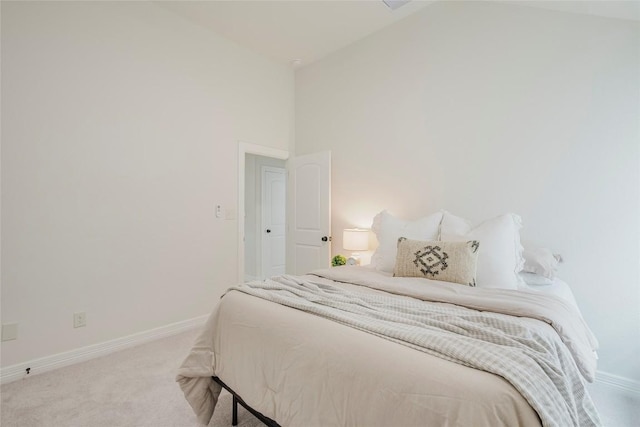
[(234, 417), (238, 400)]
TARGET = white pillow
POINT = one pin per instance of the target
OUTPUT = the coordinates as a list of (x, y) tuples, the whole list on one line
[(500, 256), (540, 261), (389, 228)]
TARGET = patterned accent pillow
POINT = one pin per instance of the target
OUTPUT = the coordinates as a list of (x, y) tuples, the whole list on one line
[(447, 261)]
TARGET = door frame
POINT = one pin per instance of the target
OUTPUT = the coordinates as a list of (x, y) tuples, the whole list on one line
[(260, 150)]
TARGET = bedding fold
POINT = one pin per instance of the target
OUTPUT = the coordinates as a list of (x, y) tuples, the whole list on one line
[(560, 314), (194, 375)]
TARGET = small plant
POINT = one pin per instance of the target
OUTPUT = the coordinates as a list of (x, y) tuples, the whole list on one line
[(338, 260)]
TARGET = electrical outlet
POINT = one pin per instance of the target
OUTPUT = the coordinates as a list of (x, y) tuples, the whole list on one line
[(79, 319), (9, 331)]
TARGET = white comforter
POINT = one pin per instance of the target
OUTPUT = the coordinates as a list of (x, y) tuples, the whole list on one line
[(265, 354)]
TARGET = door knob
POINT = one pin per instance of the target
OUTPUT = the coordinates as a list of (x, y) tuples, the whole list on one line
[(325, 238), (268, 231)]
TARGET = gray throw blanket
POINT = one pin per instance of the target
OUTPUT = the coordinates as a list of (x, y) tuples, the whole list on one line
[(535, 361)]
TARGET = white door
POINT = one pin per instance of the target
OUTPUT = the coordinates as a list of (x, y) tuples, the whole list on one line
[(312, 212), (273, 221)]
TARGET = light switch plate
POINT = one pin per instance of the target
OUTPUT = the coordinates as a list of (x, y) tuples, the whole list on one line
[(79, 319)]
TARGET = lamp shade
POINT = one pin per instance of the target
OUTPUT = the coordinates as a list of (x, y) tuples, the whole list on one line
[(355, 239)]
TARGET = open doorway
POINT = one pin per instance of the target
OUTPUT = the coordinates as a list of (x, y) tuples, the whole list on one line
[(265, 217), (308, 187), (258, 151)]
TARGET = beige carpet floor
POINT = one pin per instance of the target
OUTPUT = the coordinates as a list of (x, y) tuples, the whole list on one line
[(136, 388), (133, 387)]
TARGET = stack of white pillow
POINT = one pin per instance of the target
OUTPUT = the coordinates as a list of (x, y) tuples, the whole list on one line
[(501, 257), (540, 266)]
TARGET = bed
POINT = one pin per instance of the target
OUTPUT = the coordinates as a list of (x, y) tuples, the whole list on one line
[(361, 346)]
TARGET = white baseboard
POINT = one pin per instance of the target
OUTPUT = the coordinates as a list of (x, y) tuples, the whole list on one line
[(49, 363), (625, 385)]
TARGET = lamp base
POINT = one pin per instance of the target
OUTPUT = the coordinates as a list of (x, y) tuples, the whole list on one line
[(354, 259)]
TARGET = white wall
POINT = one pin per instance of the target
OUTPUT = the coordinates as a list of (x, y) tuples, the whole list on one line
[(482, 108), (119, 137)]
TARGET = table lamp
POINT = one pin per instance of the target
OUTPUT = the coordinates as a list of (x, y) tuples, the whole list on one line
[(355, 239)]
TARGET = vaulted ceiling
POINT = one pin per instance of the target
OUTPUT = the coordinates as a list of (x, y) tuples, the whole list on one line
[(307, 30)]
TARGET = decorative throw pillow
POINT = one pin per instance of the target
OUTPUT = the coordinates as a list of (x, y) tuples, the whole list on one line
[(388, 229), (447, 261), (500, 260)]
